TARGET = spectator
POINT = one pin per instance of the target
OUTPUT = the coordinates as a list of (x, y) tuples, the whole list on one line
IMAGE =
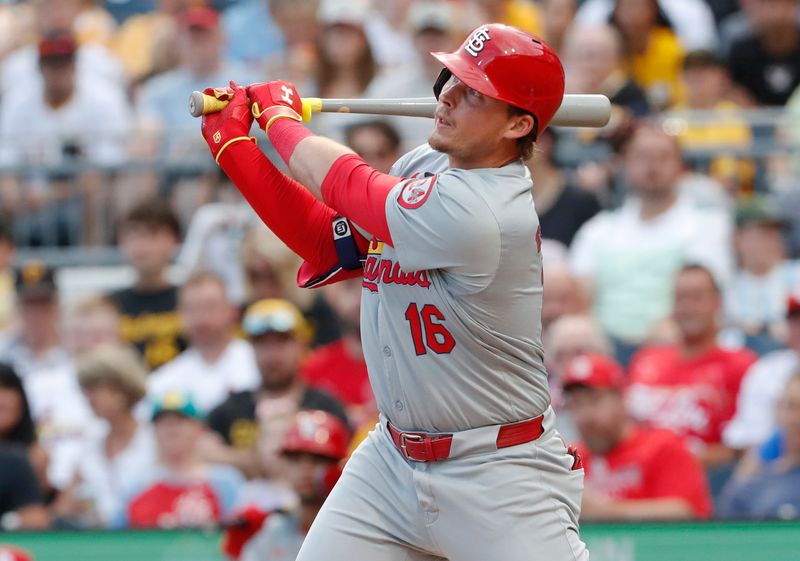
[(216, 363), (628, 258), (766, 63), (755, 301), (378, 142), (21, 502), (36, 345), (6, 277), (632, 472), (706, 85), (652, 52), (774, 490), (89, 323), (518, 13), (56, 126), (345, 62), (570, 336), (314, 445), (692, 19), (593, 59), (279, 335), (557, 18), (430, 25), (183, 491), (270, 271), (94, 63), (16, 422), (113, 378), (762, 385), (339, 368), (561, 206), (138, 40), (149, 235), (162, 99), (563, 295), (691, 387)]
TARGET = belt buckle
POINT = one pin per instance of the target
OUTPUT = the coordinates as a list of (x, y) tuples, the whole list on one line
[(404, 436)]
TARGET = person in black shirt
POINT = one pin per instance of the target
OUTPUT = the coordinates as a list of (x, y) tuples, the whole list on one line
[(249, 426), (21, 504), (563, 208), (149, 235), (766, 64)]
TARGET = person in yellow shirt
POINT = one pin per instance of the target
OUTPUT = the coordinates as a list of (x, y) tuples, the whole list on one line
[(653, 53), (6, 277), (705, 81), (519, 13)]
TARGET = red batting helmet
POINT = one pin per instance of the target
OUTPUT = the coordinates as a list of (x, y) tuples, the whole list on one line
[(508, 64), (317, 432)]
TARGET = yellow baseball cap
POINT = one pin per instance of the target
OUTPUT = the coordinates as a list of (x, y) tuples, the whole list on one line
[(274, 315)]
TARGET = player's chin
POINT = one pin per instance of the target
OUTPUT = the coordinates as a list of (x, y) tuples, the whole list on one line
[(438, 143)]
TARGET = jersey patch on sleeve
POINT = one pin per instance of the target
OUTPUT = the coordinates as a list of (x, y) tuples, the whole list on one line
[(415, 192)]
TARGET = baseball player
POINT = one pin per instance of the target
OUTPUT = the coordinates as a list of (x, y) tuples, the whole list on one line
[(465, 463)]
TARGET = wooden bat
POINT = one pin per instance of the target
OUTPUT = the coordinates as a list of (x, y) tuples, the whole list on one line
[(577, 110)]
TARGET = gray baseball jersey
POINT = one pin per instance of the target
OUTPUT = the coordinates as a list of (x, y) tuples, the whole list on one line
[(451, 314)]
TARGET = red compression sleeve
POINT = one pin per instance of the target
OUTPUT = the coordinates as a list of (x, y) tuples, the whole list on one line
[(359, 192), (285, 134), (290, 211)]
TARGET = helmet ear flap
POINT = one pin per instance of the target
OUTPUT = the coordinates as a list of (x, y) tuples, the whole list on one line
[(441, 80)]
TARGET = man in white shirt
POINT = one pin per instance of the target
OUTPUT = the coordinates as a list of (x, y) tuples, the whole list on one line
[(754, 421), (216, 363), (627, 259)]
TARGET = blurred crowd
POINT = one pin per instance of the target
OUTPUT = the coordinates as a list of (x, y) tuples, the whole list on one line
[(211, 390)]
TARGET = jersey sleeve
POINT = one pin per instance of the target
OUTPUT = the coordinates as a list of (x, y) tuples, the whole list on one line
[(439, 222)]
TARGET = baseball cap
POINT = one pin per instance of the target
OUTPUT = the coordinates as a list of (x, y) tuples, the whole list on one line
[(594, 371), (199, 18), (35, 281), (349, 12), (274, 315), (57, 45), (176, 402), (793, 306), (317, 432), (425, 15), (759, 210)]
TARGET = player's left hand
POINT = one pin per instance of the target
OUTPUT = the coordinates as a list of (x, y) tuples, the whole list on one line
[(229, 125), (274, 100)]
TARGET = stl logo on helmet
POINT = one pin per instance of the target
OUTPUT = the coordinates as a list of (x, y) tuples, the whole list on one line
[(477, 41)]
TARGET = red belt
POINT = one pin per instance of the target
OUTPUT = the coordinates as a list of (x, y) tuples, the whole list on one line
[(424, 447)]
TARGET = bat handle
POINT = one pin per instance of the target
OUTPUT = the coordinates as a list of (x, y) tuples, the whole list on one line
[(311, 105), (202, 104)]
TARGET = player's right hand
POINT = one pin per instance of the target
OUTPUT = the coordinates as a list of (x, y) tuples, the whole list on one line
[(274, 100), (229, 125)]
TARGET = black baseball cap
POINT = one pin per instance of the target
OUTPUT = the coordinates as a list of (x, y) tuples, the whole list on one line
[(35, 281)]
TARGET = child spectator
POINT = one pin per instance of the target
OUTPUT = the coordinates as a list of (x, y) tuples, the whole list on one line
[(183, 491), (149, 235)]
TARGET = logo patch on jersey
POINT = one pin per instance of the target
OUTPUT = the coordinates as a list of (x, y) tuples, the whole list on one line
[(415, 192)]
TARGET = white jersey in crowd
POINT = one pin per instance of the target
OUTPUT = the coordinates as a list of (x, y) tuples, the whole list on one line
[(451, 315), (208, 384)]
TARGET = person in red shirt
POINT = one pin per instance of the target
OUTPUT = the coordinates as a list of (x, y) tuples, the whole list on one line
[(338, 368), (690, 387), (632, 472)]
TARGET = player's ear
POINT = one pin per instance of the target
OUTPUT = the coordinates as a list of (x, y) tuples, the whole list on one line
[(520, 125)]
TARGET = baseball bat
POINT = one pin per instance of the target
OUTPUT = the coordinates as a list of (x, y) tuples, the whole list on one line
[(577, 110)]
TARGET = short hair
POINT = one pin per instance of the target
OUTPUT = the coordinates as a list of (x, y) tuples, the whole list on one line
[(382, 127), (702, 58), (689, 267), (119, 366), (202, 277), (525, 144), (153, 212)]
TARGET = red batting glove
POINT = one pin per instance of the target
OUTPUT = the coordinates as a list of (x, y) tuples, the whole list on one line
[(229, 125), (274, 100)]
